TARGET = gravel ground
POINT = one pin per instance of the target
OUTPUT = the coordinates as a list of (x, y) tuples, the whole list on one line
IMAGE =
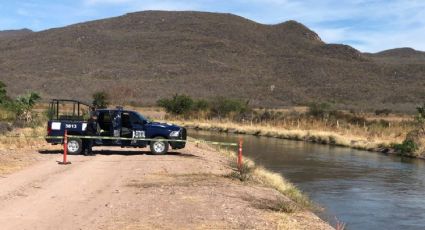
[(117, 189)]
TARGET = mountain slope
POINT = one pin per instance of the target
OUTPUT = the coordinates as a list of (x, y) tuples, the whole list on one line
[(141, 57), (14, 33), (400, 55)]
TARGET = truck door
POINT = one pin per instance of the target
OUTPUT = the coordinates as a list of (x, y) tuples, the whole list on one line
[(116, 125), (126, 128), (138, 129), (105, 124)]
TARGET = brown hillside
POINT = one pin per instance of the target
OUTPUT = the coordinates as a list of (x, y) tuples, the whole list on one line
[(14, 33), (144, 56), (400, 55)]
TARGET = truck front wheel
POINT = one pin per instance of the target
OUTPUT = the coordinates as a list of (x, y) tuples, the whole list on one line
[(159, 147), (75, 146)]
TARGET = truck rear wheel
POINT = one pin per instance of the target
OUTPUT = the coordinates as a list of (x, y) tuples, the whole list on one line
[(75, 146), (159, 147)]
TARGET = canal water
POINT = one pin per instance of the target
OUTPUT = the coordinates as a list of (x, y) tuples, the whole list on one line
[(363, 189)]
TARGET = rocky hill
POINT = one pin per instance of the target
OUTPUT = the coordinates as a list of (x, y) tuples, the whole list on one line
[(141, 57)]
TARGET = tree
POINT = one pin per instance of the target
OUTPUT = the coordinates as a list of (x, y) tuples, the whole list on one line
[(100, 100), (24, 104)]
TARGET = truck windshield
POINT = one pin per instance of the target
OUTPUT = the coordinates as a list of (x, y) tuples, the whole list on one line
[(142, 118)]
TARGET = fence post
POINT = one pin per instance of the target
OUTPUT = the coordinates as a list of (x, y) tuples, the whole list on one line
[(240, 154), (65, 149)]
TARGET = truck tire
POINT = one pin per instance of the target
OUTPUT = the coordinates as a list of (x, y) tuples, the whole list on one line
[(159, 147), (75, 146)]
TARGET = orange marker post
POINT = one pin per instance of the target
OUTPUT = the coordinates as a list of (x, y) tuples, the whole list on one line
[(240, 154), (65, 149)]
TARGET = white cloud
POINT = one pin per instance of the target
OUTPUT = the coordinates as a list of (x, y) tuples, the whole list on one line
[(378, 41), (366, 25)]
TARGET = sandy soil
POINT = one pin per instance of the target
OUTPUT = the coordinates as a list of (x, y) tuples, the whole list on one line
[(120, 189)]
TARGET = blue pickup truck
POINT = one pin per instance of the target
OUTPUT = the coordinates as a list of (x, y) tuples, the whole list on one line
[(72, 115)]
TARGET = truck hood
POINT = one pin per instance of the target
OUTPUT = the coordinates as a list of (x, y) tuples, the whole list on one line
[(168, 126)]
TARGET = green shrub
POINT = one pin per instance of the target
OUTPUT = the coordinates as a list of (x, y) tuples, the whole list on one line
[(219, 107), (178, 104), (200, 105), (420, 117), (222, 107), (319, 110), (3, 92), (407, 147), (100, 99), (23, 106)]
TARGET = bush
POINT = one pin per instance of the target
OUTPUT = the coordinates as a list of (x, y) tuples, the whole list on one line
[(3, 93), (420, 117), (219, 107), (23, 106), (222, 107), (178, 104), (319, 110), (407, 147), (200, 105), (18, 110), (100, 100)]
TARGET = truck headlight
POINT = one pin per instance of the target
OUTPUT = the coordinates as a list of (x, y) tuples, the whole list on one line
[(175, 134)]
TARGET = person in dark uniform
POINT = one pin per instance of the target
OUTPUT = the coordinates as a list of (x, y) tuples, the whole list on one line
[(92, 129)]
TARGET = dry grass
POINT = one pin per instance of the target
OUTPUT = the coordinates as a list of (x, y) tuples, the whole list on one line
[(17, 148), (383, 132), (359, 137), (23, 138), (6, 115), (252, 173)]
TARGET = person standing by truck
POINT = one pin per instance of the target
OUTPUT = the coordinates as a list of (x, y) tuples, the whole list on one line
[(92, 129)]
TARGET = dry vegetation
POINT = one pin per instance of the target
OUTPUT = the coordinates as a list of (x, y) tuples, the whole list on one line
[(377, 133), (23, 138), (14, 147), (251, 173), (355, 137)]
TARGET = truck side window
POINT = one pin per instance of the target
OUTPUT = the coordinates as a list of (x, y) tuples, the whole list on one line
[(135, 119), (126, 123), (105, 121)]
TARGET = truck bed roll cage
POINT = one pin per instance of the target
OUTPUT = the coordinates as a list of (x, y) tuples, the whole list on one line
[(77, 110)]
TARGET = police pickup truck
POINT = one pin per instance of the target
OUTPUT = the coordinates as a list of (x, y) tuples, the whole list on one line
[(72, 115)]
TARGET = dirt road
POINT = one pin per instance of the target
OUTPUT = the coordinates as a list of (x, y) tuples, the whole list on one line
[(128, 190)]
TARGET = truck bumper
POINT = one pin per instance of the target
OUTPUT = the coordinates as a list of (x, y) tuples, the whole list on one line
[(178, 144)]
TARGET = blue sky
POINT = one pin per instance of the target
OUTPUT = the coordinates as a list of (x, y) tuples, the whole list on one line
[(369, 26)]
